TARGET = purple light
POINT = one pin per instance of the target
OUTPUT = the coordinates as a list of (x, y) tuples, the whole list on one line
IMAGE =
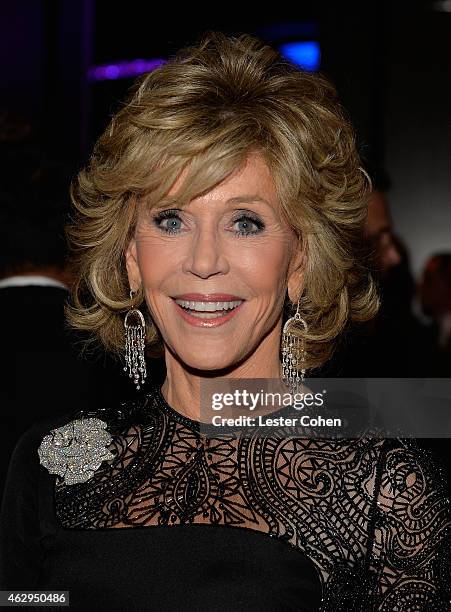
[(111, 72), (123, 70)]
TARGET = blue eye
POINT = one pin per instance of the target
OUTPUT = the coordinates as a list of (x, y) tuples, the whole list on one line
[(170, 228), (249, 220), (174, 221)]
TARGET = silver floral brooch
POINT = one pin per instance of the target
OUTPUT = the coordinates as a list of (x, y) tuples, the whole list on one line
[(76, 450)]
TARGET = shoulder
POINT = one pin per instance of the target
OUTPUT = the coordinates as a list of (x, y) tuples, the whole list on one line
[(413, 487), (25, 449), (75, 435), (409, 469), (406, 475), (413, 518), (24, 473), (75, 447), (411, 547)]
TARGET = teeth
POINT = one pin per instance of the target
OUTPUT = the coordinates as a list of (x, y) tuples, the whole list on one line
[(205, 315), (208, 306)]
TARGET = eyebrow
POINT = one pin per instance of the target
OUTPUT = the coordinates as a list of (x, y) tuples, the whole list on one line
[(247, 198), (243, 199)]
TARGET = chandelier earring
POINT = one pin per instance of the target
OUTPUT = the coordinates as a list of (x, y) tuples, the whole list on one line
[(135, 334), (293, 353)]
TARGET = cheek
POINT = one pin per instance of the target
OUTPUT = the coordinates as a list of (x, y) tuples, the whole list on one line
[(156, 261), (264, 266)]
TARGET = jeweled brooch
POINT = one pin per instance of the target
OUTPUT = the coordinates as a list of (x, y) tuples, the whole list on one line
[(76, 450)]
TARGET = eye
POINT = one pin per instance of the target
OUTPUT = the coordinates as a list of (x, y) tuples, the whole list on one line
[(172, 219), (248, 220), (173, 223)]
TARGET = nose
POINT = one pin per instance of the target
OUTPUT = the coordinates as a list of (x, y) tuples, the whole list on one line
[(205, 256)]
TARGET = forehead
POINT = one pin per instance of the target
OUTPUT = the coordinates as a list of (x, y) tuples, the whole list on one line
[(252, 180)]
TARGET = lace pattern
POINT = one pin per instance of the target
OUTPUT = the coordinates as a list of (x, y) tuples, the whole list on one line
[(372, 514)]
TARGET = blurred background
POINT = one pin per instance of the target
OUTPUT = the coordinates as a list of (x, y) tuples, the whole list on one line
[(390, 62), (67, 65)]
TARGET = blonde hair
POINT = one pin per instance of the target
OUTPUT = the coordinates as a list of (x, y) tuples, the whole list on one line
[(205, 110)]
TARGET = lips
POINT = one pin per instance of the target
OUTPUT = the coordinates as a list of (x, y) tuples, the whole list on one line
[(210, 297), (198, 320)]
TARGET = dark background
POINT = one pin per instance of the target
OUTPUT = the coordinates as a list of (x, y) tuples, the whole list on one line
[(389, 60)]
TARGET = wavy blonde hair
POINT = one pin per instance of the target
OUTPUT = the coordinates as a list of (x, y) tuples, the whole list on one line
[(206, 109)]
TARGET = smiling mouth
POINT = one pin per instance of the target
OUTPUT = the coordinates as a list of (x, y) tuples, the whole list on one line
[(207, 309)]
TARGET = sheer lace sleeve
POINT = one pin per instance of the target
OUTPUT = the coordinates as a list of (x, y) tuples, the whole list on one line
[(410, 554)]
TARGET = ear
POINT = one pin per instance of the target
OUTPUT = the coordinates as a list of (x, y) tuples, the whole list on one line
[(295, 275), (131, 262)]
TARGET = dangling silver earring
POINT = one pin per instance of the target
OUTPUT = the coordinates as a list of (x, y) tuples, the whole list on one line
[(293, 353), (134, 346)]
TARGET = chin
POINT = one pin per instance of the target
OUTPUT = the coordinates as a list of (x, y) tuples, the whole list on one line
[(205, 363)]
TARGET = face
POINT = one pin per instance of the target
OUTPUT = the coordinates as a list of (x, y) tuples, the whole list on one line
[(379, 230), (231, 242)]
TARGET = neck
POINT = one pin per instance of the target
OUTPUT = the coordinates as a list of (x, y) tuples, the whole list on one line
[(182, 386)]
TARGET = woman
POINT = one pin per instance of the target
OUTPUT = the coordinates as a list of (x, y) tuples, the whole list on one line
[(229, 181)]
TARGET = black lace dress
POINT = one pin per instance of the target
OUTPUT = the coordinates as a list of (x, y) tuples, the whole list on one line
[(178, 520)]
